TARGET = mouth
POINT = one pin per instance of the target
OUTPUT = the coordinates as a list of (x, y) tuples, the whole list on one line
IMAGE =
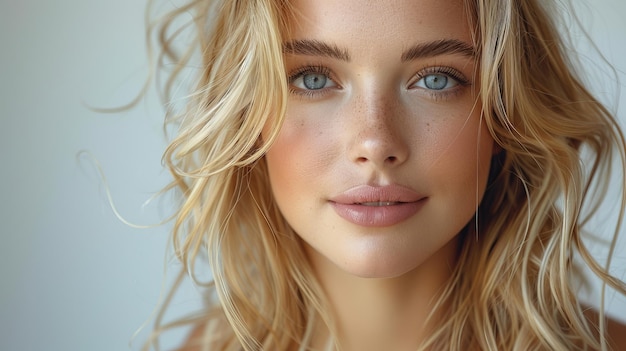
[(371, 206)]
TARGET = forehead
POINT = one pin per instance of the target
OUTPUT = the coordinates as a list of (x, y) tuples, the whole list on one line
[(379, 22)]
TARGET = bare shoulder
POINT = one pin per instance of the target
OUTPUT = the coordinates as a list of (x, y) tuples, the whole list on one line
[(616, 330), (617, 334)]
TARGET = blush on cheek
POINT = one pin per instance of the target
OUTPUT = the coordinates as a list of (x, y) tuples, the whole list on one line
[(306, 144)]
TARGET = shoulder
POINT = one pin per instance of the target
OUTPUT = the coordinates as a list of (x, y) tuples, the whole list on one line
[(616, 330), (617, 334)]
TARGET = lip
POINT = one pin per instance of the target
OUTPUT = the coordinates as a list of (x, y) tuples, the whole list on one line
[(377, 206)]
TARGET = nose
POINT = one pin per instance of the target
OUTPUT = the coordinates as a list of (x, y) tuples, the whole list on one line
[(378, 138)]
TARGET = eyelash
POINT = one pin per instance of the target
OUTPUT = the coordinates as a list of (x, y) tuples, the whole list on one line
[(450, 72), (312, 69)]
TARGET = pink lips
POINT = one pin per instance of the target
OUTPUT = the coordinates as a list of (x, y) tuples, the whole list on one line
[(377, 206)]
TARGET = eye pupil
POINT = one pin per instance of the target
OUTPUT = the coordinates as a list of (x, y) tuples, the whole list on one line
[(436, 81), (314, 81)]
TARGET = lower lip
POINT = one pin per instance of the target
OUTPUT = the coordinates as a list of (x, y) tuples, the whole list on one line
[(377, 216)]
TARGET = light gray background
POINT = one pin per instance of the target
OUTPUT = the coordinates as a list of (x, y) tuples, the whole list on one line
[(73, 277)]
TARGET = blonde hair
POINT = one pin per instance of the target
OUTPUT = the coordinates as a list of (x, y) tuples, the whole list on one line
[(512, 288)]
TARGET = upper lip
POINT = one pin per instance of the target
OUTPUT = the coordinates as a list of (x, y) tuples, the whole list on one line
[(368, 194)]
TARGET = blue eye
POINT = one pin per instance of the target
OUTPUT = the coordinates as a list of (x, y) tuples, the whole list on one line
[(436, 81), (314, 81), (311, 79), (439, 80)]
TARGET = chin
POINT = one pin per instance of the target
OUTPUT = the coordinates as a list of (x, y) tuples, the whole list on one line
[(375, 259), (385, 267)]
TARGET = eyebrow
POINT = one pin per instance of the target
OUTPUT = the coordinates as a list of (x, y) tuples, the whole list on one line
[(422, 50), (439, 47), (315, 48)]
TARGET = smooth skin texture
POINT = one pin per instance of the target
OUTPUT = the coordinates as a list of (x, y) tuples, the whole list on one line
[(377, 99)]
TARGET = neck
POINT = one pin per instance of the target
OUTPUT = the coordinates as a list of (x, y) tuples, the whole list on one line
[(386, 313)]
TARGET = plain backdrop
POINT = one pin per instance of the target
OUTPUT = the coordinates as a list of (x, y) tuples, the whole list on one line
[(72, 275)]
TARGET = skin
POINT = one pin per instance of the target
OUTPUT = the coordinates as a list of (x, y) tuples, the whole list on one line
[(376, 122)]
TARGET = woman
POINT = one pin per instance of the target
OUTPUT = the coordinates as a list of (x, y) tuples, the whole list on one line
[(374, 175)]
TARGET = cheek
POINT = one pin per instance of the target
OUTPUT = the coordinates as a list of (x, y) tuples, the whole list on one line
[(303, 151), (466, 162)]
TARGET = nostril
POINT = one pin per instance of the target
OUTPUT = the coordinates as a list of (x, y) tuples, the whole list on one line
[(392, 159)]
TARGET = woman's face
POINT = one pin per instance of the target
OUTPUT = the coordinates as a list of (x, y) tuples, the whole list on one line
[(383, 157)]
